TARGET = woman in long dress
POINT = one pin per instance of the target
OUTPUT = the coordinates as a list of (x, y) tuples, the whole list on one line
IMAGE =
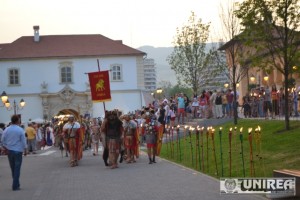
[(49, 135)]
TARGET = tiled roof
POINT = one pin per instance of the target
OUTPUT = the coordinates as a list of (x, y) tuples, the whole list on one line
[(54, 46), (3, 45)]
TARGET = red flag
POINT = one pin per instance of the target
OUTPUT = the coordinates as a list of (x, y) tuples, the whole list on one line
[(100, 88)]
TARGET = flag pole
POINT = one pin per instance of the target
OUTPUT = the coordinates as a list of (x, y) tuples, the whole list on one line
[(99, 71)]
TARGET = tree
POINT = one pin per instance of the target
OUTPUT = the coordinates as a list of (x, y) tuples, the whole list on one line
[(166, 86), (271, 28), (179, 89), (189, 59), (234, 50)]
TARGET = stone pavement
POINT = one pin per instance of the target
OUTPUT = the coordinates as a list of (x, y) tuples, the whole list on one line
[(47, 176)]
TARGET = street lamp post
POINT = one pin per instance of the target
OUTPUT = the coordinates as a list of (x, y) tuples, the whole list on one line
[(159, 91), (4, 98), (266, 77), (15, 106), (226, 85), (252, 78)]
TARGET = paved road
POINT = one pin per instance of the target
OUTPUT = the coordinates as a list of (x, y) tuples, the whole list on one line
[(47, 176)]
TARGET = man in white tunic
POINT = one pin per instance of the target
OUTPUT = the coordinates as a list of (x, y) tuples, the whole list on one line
[(72, 134)]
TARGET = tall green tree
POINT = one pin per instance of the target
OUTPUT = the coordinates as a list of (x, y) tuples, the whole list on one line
[(179, 89), (189, 58), (166, 86), (272, 29)]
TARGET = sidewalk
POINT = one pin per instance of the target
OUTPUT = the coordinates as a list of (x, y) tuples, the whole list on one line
[(47, 176)]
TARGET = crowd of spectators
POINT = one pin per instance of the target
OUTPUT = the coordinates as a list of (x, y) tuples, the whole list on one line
[(262, 102)]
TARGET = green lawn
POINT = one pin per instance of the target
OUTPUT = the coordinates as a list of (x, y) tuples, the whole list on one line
[(278, 150)]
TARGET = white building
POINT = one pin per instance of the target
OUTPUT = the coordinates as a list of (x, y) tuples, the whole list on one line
[(49, 73)]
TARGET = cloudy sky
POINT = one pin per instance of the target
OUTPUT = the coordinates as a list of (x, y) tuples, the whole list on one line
[(136, 22)]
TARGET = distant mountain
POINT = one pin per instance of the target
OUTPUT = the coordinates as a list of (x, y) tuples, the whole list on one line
[(160, 54)]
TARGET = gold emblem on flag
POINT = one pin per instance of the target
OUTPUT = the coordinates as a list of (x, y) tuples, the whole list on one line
[(100, 85)]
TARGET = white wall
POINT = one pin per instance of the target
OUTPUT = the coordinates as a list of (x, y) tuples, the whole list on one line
[(34, 72), (31, 110)]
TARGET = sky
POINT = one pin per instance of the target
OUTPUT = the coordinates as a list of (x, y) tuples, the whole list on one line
[(136, 22)]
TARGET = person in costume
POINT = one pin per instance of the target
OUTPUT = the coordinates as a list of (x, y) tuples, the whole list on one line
[(49, 135), (136, 142), (72, 134), (129, 127), (112, 127), (103, 140), (95, 133), (87, 139), (150, 128), (60, 138)]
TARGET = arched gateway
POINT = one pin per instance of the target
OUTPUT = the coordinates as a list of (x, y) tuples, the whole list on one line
[(66, 101)]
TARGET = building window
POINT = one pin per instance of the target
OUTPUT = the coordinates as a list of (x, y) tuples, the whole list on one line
[(116, 73), (14, 77), (66, 72)]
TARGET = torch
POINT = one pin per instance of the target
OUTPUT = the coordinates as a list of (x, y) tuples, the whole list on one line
[(221, 151), (167, 140), (230, 158), (191, 129), (235, 147), (185, 141), (202, 159), (214, 150), (172, 142), (257, 139), (242, 150), (197, 149), (252, 172), (207, 134), (259, 149), (178, 138)]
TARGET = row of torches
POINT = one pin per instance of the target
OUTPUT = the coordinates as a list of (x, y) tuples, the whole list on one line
[(211, 133)]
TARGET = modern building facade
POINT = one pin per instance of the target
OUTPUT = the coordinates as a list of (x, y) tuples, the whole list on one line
[(211, 83), (149, 74)]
